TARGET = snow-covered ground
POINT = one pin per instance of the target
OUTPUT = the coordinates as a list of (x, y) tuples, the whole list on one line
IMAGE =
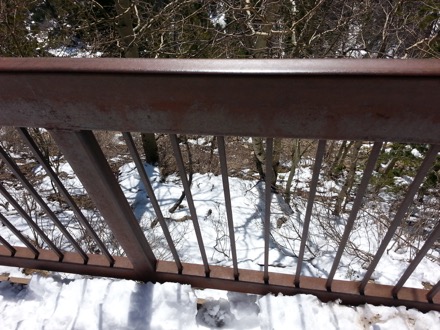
[(74, 302), (247, 198), (94, 303)]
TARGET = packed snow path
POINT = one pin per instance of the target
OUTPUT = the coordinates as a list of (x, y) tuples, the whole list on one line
[(85, 303)]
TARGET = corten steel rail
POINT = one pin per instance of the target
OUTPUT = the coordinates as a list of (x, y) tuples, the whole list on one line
[(379, 100)]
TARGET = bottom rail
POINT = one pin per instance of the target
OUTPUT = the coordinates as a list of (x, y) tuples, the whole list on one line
[(97, 265), (222, 278)]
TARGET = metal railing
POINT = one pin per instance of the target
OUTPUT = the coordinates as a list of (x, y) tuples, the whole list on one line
[(378, 100)]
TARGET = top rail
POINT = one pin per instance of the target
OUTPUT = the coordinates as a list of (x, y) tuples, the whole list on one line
[(413, 67), (393, 100)]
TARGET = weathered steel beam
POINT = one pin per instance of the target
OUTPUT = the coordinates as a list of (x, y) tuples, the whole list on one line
[(380, 100)]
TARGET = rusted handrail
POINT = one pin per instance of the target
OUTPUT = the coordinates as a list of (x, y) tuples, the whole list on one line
[(374, 100)]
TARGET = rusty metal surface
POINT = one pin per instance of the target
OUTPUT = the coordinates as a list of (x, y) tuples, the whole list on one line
[(8, 246), (322, 99), (72, 263), (18, 234), (252, 281), (434, 292), (87, 160)]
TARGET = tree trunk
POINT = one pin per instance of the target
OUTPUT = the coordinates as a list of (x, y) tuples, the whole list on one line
[(343, 193), (151, 151), (276, 159), (296, 156), (131, 50), (262, 46), (340, 158), (125, 29), (260, 157)]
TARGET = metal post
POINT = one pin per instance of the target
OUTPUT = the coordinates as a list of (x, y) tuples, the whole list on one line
[(87, 160)]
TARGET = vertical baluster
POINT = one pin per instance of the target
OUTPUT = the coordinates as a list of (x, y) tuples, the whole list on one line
[(30, 222), (433, 292), (318, 161), (29, 187), (63, 191), (8, 246), (20, 236), (424, 168), (267, 199), (435, 235), (355, 209), (227, 194), (188, 195), (147, 184)]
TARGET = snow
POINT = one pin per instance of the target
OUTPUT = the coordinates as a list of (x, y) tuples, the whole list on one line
[(416, 153), (54, 303), (219, 20), (74, 52), (57, 302), (75, 302)]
